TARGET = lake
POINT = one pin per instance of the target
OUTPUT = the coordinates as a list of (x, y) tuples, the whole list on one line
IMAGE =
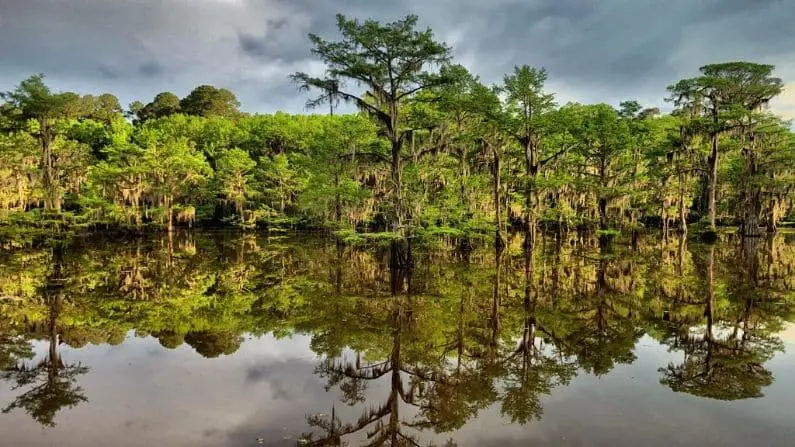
[(230, 339)]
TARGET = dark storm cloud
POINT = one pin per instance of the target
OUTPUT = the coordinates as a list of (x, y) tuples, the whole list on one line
[(252, 45), (594, 50), (282, 40), (150, 69)]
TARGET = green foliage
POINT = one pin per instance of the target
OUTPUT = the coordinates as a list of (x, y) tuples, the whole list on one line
[(431, 151), (206, 100), (353, 238), (164, 104), (333, 163), (603, 155), (19, 171), (103, 108), (35, 101), (394, 62), (724, 104), (234, 174)]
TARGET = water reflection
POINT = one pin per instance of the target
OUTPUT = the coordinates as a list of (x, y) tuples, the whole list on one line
[(50, 384), (724, 357), (411, 345)]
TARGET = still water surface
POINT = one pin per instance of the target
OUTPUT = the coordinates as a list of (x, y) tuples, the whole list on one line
[(218, 339)]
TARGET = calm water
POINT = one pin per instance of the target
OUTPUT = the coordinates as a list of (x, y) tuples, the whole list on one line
[(217, 339)]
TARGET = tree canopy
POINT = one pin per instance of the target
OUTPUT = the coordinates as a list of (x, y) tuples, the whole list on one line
[(429, 150)]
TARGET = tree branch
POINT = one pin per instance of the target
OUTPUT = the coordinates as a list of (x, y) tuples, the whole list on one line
[(552, 157)]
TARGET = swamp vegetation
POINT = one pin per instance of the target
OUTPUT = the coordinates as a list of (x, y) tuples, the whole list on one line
[(431, 150)]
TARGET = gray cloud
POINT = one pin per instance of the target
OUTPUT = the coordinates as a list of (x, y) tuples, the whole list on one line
[(594, 50), (108, 72), (252, 45), (283, 39), (150, 69)]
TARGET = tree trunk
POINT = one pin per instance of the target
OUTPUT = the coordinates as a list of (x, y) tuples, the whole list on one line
[(751, 223), (54, 294), (170, 213), (708, 311), (495, 299), (337, 198), (530, 303), (752, 212), (603, 224), (396, 386), (771, 216), (682, 211), (52, 201), (397, 211), (464, 175), (399, 265), (499, 240), (712, 186), (531, 165)]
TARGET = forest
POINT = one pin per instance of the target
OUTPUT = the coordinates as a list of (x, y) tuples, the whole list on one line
[(430, 149)]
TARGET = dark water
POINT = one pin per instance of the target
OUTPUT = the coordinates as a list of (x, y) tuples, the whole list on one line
[(216, 339)]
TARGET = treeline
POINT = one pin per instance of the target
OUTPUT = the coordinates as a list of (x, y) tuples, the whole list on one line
[(432, 149)]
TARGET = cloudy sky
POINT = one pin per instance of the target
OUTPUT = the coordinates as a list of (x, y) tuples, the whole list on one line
[(594, 50)]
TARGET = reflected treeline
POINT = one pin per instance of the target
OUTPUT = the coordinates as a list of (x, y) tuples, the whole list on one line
[(413, 347), (723, 321)]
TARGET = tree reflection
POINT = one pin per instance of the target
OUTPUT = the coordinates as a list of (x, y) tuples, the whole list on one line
[(724, 357), (599, 325), (51, 384), (415, 339), (440, 367), (416, 382), (534, 368)]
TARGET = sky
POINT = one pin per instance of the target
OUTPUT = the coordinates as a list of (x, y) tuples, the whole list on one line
[(594, 50)]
